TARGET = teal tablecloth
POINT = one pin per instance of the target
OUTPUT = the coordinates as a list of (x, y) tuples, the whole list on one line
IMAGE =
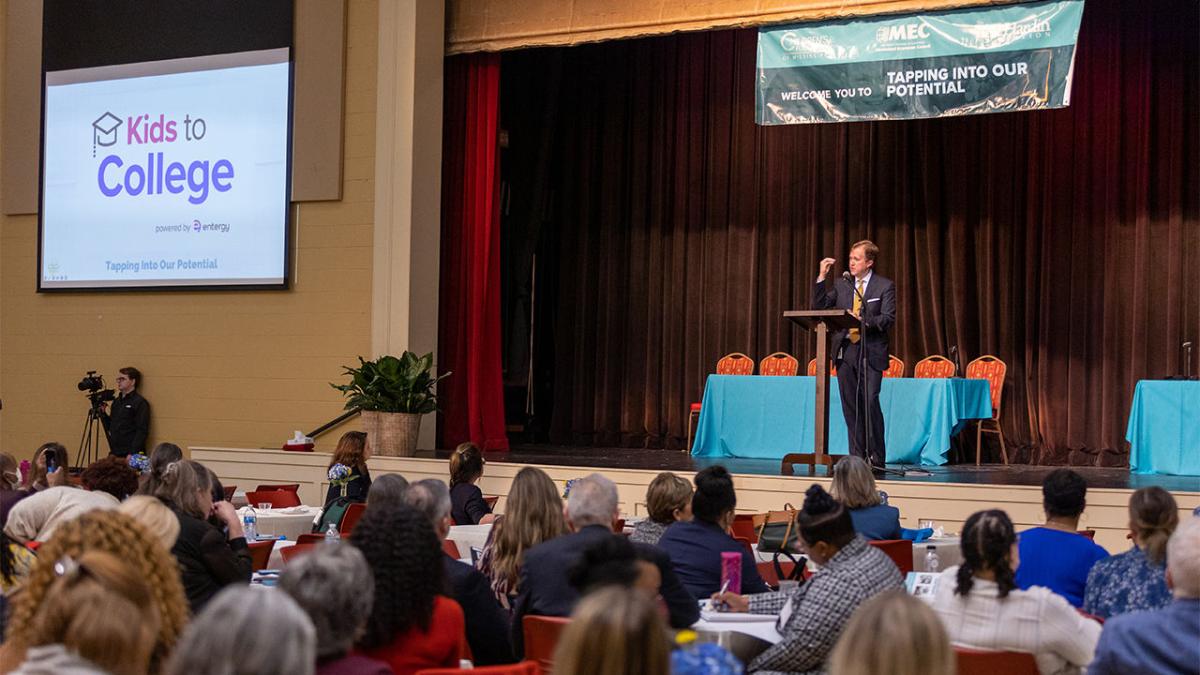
[(1164, 428), (759, 417)]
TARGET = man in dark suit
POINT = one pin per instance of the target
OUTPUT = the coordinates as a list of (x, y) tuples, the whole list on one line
[(873, 297), (487, 625), (544, 588)]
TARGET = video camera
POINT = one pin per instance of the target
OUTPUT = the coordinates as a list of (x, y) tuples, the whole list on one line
[(93, 385)]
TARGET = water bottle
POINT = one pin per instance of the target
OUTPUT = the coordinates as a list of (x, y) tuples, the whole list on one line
[(332, 536), (932, 562), (250, 524)]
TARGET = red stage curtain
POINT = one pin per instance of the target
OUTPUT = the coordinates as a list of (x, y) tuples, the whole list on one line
[(472, 398), (1065, 242)]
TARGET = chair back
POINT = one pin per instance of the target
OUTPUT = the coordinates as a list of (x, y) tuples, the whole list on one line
[(779, 363), (311, 538), (736, 363), (895, 367), (934, 366), (350, 518), (993, 370), (766, 570), (743, 526), (230, 491), (297, 550), (541, 638), (491, 500), (290, 487), (982, 662), (260, 554), (278, 499), (450, 548), (899, 550), (1090, 534), (522, 668), (745, 544), (812, 368)]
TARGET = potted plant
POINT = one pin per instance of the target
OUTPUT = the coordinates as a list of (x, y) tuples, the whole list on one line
[(393, 393)]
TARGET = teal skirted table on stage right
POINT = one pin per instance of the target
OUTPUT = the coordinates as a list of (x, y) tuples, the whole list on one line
[(1164, 428), (757, 417)]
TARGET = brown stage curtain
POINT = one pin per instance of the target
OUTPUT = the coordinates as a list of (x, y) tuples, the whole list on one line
[(1065, 242)]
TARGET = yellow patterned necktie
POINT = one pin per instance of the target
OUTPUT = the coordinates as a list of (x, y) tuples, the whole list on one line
[(857, 309)]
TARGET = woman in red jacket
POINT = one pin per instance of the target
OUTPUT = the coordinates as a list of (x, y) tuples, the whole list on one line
[(413, 625)]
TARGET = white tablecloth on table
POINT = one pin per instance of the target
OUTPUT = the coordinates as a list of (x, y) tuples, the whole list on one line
[(761, 626), (467, 536), (290, 522), (949, 550)]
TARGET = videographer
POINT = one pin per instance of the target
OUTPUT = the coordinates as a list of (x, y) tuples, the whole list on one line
[(128, 424)]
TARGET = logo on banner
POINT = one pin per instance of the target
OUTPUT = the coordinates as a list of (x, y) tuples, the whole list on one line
[(104, 131)]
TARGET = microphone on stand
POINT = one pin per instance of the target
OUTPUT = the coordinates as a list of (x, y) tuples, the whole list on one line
[(1186, 347), (954, 358)]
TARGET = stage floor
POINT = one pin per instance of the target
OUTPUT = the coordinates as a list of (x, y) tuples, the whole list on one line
[(678, 461)]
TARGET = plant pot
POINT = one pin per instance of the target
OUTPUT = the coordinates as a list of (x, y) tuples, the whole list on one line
[(391, 434)]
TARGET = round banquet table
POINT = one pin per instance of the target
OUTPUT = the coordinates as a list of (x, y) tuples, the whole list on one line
[(290, 522)]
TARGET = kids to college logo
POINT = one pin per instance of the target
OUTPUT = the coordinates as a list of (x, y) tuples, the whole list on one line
[(104, 131)]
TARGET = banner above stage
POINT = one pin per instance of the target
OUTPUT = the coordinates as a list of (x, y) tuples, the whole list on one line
[(941, 64)]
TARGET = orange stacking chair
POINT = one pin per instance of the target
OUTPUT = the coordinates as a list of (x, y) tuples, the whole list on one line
[(934, 366), (812, 368), (779, 363), (895, 367), (736, 363), (993, 370)]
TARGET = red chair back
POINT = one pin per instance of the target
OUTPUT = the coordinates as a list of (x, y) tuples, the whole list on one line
[(745, 544), (743, 527), (899, 550), (735, 364), (1090, 534), (934, 366), (290, 487), (279, 499), (450, 548), (230, 491), (981, 662), (766, 570), (779, 363), (299, 549), (541, 638), (812, 368), (522, 668), (895, 367), (993, 370), (350, 518), (260, 554), (310, 538), (491, 500)]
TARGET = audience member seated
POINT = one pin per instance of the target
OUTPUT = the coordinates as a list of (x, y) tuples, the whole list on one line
[(15, 563), (668, 499), (11, 491), (812, 616), (353, 453), (466, 467), (40, 477), (120, 536), (695, 546), (854, 486), (893, 633), (613, 631), (334, 586), (982, 608), (614, 561), (592, 512), (487, 623), (97, 616), (1056, 556), (155, 516), (1166, 640), (111, 474), (412, 626), (208, 559), (37, 517), (257, 630), (387, 491), (1136, 579), (534, 515), (162, 456)]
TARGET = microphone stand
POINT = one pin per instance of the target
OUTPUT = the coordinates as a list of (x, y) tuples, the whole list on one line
[(864, 412)]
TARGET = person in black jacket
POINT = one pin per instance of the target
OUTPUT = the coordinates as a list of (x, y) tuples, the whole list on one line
[(487, 623), (208, 559), (545, 585), (353, 453), (467, 506), (128, 425)]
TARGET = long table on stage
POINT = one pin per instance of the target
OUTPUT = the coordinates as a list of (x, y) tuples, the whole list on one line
[(1164, 428), (758, 417)]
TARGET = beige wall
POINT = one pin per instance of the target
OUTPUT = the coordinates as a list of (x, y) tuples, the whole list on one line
[(224, 368)]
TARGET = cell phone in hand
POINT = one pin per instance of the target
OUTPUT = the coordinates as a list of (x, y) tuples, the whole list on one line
[(51, 464)]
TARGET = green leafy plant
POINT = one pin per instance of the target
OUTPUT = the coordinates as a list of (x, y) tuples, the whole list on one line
[(390, 384)]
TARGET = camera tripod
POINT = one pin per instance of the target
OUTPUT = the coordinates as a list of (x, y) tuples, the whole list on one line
[(89, 442)]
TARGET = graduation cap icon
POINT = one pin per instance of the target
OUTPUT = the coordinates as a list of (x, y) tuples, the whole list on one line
[(104, 131)]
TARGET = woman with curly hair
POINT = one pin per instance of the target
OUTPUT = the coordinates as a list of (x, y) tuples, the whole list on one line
[(98, 616), (534, 513), (107, 532), (413, 625), (981, 606), (352, 452)]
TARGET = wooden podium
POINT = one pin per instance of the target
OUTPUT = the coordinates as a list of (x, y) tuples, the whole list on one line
[(821, 322)]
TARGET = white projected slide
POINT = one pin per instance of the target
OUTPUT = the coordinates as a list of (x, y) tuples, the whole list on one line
[(166, 173)]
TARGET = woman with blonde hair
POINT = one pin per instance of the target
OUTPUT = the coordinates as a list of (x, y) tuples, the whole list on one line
[(152, 514), (1136, 579), (533, 514), (139, 551), (668, 499), (162, 456), (467, 506), (905, 635), (614, 631), (854, 486), (352, 452), (97, 616)]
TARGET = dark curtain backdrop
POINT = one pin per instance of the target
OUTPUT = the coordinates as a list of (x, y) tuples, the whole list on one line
[(672, 230)]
